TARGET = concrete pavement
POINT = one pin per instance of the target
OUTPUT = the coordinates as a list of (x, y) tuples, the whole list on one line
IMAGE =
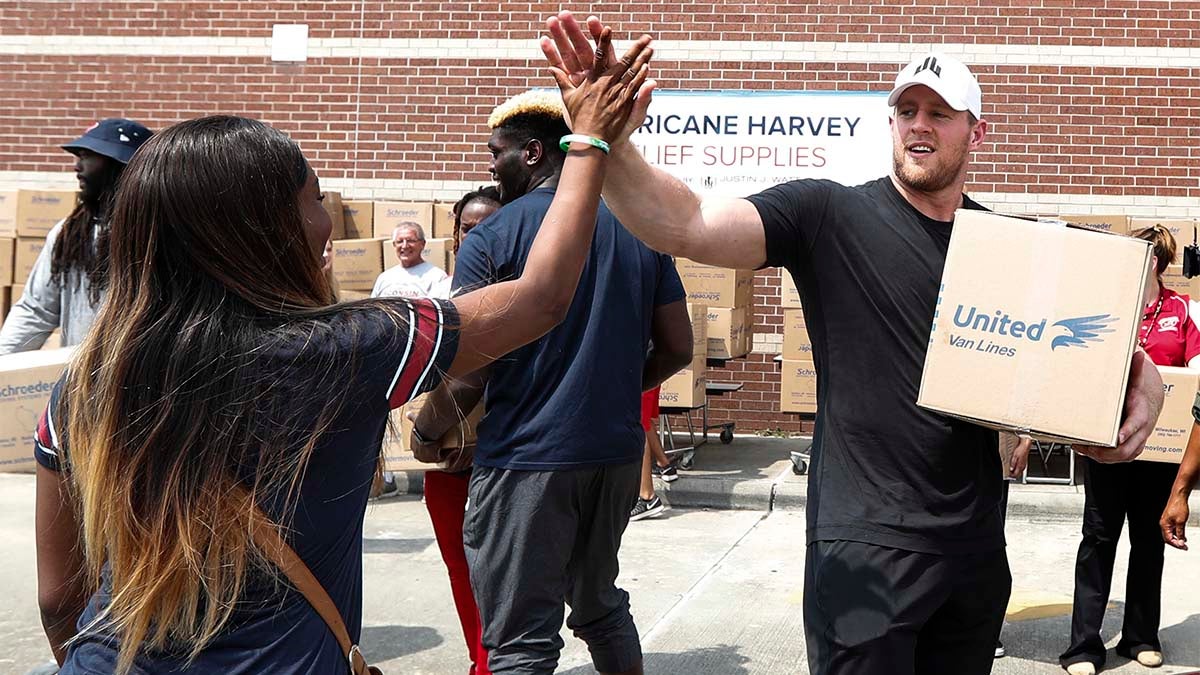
[(715, 591)]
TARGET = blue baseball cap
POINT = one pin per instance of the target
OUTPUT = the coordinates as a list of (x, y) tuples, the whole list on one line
[(115, 137)]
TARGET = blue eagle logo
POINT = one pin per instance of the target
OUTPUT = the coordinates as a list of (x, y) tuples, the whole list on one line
[(1083, 329)]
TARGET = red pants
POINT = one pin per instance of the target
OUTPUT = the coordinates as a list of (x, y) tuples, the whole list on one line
[(446, 499)]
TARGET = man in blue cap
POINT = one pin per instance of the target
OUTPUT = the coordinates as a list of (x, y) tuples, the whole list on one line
[(67, 282)]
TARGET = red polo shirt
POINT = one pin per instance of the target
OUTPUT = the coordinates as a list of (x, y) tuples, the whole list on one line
[(1170, 334)]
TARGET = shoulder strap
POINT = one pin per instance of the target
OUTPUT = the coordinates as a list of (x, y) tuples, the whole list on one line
[(266, 536)]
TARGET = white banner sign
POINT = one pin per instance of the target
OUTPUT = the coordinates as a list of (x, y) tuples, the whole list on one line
[(736, 143)]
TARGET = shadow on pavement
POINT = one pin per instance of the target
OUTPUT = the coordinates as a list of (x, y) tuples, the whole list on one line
[(384, 643), (396, 545), (723, 659)]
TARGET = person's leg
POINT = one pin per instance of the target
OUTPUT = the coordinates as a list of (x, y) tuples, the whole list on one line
[(1103, 516), (646, 489), (658, 454), (1149, 488), (961, 636), (864, 606), (446, 500), (518, 533), (599, 610)]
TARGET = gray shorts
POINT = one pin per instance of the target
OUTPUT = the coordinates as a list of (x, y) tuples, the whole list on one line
[(538, 539)]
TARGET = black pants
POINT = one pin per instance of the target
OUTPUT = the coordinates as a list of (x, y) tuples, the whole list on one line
[(873, 609), (1139, 491)]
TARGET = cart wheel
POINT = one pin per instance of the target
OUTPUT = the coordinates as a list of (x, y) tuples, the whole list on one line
[(727, 435), (687, 459), (799, 467)]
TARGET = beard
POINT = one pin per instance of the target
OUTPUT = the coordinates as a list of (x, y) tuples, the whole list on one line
[(932, 177)]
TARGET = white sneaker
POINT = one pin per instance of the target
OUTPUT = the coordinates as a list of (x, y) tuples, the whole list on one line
[(1150, 658), (1082, 668)]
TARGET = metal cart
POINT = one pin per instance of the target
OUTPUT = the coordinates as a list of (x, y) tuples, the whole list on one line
[(687, 453)]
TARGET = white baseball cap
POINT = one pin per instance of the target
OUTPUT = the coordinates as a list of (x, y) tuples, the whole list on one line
[(945, 75)]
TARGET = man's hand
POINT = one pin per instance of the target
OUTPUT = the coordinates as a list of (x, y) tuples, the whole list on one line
[(1020, 458), (574, 63), (1143, 403), (1174, 522), (428, 453)]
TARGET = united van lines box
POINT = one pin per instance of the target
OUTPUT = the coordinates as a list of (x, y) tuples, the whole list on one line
[(1174, 427), (40, 210), (790, 295), (358, 219), (796, 343), (397, 451), (26, 252), (333, 206), (390, 215), (25, 383), (729, 332), (8, 213), (798, 386), (1022, 340), (7, 260), (716, 286), (1180, 228), (443, 219), (1113, 224), (357, 262)]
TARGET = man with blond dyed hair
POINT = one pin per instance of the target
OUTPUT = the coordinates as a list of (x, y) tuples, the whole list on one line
[(560, 448)]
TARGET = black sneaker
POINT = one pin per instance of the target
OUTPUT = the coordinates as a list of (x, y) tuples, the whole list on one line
[(646, 508), (668, 473)]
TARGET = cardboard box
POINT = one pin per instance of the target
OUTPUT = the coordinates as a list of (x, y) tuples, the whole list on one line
[(699, 316), (798, 387), (1021, 341), (6, 300), (26, 379), (1108, 223), (7, 260), (1175, 422), (1180, 228), (25, 254), (790, 294), (8, 213), (685, 389), (443, 219), (40, 210), (797, 346), (1173, 279), (390, 215), (716, 286), (357, 263), (333, 206), (397, 452), (358, 219), (729, 332)]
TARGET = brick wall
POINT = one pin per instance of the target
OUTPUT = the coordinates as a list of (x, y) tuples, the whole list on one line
[(1092, 108)]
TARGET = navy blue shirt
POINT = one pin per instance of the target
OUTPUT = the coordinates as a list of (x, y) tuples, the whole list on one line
[(572, 398), (274, 630)]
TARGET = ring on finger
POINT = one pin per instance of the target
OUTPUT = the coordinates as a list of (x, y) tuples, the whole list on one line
[(628, 75)]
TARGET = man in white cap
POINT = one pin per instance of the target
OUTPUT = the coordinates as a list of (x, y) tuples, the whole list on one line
[(905, 570)]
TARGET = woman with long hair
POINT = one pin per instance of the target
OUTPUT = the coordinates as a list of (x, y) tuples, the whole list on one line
[(1137, 491), (220, 394), (68, 279)]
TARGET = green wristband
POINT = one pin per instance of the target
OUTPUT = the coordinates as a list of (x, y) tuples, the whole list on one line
[(566, 141)]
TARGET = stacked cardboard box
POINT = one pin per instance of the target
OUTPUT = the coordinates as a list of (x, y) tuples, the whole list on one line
[(1116, 224), (1180, 228), (26, 217), (728, 295), (798, 384), (686, 389), (25, 383)]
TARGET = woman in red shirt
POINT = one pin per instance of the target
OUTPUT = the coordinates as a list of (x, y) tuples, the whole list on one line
[(1136, 490)]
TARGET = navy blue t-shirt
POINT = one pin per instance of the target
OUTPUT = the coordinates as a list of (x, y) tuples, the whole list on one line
[(571, 398), (274, 630)]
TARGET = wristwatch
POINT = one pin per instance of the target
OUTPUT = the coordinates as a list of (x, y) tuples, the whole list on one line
[(420, 436)]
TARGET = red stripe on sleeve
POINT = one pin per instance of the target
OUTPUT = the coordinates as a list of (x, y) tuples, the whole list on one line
[(424, 340)]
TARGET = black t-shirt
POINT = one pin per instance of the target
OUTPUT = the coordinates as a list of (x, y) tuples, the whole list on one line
[(885, 472), (274, 629)]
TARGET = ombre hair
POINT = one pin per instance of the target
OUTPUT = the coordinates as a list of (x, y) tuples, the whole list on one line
[(175, 426)]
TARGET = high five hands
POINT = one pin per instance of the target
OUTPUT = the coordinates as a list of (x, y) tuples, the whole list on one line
[(604, 97)]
